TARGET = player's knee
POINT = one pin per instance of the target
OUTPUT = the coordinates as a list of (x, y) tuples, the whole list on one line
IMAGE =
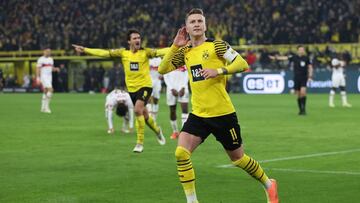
[(181, 153), (342, 88), (139, 111)]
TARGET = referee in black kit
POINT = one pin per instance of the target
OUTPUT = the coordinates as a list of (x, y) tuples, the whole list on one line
[(303, 71)]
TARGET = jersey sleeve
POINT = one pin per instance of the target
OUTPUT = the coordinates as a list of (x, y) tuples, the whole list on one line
[(116, 52), (104, 52), (235, 63), (173, 59), (167, 80), (224, 50), (151, 53)]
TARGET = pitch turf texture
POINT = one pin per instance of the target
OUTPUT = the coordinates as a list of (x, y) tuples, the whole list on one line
[(67, 157)]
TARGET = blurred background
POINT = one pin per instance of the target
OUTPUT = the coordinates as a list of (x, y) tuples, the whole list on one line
[(255, 28)]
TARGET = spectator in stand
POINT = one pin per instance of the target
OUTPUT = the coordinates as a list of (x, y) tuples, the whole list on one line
[(251, 58), (29, 25)]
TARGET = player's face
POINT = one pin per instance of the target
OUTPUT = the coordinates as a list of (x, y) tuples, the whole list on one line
[(47, 52), (301, 51), (135, 41), (195, 25)]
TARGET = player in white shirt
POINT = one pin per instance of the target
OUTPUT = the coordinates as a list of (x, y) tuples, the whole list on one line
[(177, 90), (338, 81), (156, 77), (44, 69), (121, 101)]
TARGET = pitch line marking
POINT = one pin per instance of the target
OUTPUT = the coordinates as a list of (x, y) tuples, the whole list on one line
[(298, 157), (313, 171)]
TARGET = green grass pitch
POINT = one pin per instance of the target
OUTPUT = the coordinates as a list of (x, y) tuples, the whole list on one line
[(67, 157)]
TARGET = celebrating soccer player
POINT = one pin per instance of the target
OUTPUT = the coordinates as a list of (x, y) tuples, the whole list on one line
[(137, 78), (208, 61)]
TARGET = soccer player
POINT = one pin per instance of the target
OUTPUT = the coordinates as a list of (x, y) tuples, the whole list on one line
[(135, 60), (338, 81), (121, 101), (303, 72), (153, 105), (177, 90), (208, 61), (44, 69)]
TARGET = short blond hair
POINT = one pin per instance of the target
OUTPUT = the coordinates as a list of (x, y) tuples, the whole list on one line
[(194, 11)]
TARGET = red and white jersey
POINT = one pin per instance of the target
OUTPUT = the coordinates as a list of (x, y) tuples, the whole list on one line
[(45, 64), (118, 96), (154, 65), (177, 79)]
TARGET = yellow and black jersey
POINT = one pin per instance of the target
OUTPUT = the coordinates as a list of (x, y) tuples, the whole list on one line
[(209, 96), (136, 64)]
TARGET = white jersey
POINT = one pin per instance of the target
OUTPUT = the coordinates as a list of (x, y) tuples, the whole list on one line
[(118, 96), (338, 76), (338, 71), (155, 76), (45, 64), (177, 79), (154, 64)]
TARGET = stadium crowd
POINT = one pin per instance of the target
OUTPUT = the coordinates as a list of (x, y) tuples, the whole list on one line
[(32, 25)]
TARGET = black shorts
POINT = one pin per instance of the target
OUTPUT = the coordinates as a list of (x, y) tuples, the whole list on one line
[(142, 94), (225, 128), (299, 83)]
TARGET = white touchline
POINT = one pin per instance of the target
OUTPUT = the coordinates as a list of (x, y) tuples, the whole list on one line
[(313, 171), (298, 157)]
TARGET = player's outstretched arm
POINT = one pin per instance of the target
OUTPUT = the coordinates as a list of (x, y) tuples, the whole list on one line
[(180, 40), (78, 48), (94, 52)]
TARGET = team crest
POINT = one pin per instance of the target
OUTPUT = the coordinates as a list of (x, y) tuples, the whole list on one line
[(205, 55)]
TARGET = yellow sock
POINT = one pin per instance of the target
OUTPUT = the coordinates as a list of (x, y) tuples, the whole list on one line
[(253, 168), (152, 124), (140, 128), (186, 173)]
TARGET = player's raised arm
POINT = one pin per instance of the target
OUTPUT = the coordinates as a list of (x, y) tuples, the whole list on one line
[(174, 56)]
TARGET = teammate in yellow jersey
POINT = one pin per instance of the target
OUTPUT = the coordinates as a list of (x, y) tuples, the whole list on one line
[(137, 78), (208, 61)]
